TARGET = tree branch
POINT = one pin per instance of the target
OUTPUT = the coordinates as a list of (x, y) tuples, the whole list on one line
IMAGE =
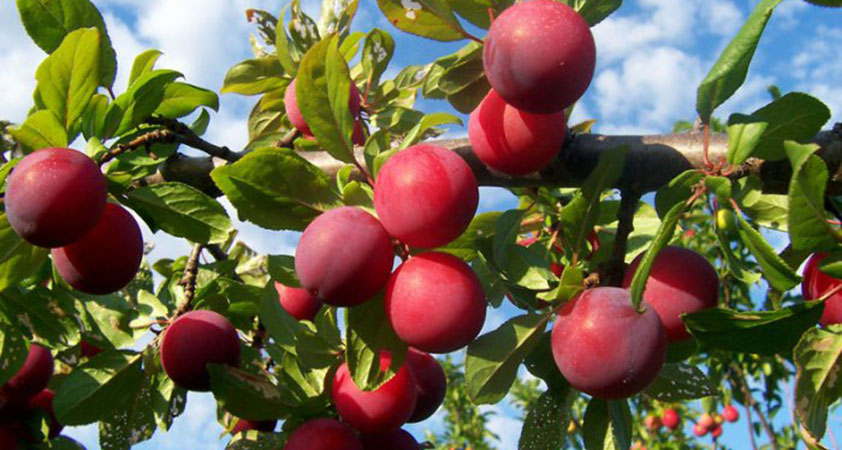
[(188, 280), (615, 269), (182, 133), (751, 402)]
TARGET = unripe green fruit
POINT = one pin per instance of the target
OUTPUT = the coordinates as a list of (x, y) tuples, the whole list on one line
[(726, 222)]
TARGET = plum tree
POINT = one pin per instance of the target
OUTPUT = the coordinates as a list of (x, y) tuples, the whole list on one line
[(105, 259), (32, 378), (430, 383), (397, 440), (539, 56), (670, 418), (297, 119), (730, 413), (340, 271), (259, 425), (816, 284), (44, 402), (604, 347), (54, 196), (513, 141), (435, 302), (323, 434), (671, 292), (195, 340), (426, 196), (381, 411), (298, 302)]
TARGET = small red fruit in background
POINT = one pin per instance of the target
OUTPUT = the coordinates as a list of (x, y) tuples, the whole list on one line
[(344, 257), (605, 348), (89, 350), (539, 56), (298, 302), (426, 196), (707, 421), (670, 290), (670, 419), (435, 302), (195, 340), (814, 286), (323, 434), (699, 430), (716, 432), (380, 411), (242, 425), (512, 141), (730, 413), (54, 197), (652, 423), (107, 258)]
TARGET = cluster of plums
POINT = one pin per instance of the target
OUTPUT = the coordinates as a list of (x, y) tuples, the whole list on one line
[(539, 59), (712, 423), (605, 348), (56, 198), (25, 395)]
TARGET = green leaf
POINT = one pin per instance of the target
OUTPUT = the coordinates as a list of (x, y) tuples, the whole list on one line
[(322, 90), (87, 394), (377, 52), (546, 421), (678, 382), (143, 63), (256, 440), (494, 358), (678, 190), (140, 100), (594, 11), (13, 351), (607, 425), (828, 3), (744, 134), (795, 116), (429, 121), (68, 78), (807, 218), (776, 271), (368, 332), (482, 227), (40, 130), (254, 76), (181, 99), (132, 422), (49, 22), (729, 71), (760, 332), (662, 238), (18, 258), (113, 315), (94, 121), (277, 189), (818, 361), (282, 269), (432, 19), (281, 326), (505, 234), (44, 313), (183, 211), (245, 394)]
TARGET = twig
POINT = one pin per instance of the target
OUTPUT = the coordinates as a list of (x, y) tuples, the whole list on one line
[(186, 136), (751, 402), (191, 268), (144, 140), (288, 139), (625, 216)]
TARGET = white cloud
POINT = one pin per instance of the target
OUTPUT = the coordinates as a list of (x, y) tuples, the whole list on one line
[(817, 67)]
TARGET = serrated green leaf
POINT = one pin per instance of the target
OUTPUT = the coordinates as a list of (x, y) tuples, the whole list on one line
[(49, 22), (68, 78), (13, 351), (760, 332), (142, 98), (678, 190), (183, 211), (494, 358), (818, 361), (729, 71), (432, 19), (795, 116), (678, 382), (277, 189), (281, 326), (744, 134), (482, 227), (18, 258), (377, 53), (143, 63), (807, 219), (368, 332), (607, 425), (132, 422), (546, 421), (87, 394), (282, 269)]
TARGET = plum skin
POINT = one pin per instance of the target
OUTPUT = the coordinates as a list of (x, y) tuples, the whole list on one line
[(107, 258), (323, 434), (195, 340), (512, 141), (426, 196), (243, 425), (54, 197), (298, 302), (398, 440), (680, 281), (605, 348), (379, 411), (670, 418), (816, 283), (297, 119), (32, 378), (44, 402), (344, 257), (539, 56), (430, 383), (435, 302)]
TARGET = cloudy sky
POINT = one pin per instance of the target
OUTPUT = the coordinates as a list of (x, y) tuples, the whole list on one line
[(651, 56)]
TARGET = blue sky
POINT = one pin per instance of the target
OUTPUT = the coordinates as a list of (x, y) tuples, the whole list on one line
[(651, 56)]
